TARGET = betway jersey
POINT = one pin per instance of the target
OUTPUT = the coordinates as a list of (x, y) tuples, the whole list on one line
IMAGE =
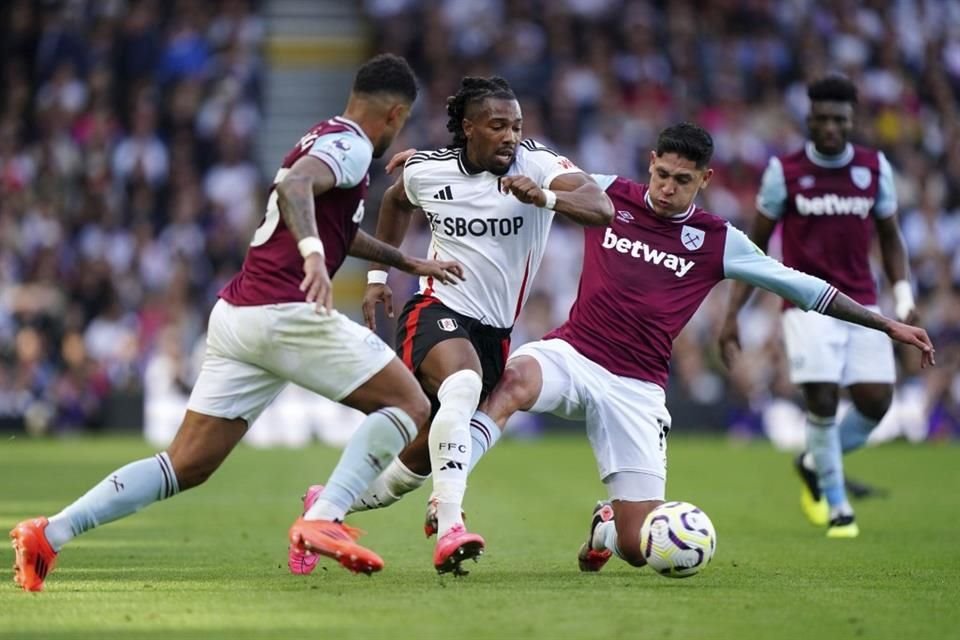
[(644, 277), (827, 205), (499, 240), (273, 267)]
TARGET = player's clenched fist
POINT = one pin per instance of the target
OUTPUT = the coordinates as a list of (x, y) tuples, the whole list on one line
[(524, 189)]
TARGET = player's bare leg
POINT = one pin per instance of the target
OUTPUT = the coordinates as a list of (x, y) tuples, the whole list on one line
[(200, 446), (616, 534), (396, 408)]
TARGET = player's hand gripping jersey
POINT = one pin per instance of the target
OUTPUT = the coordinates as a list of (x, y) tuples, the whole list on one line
[(499, 240)]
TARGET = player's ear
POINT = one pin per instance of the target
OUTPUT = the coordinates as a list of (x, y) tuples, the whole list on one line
[(467, 125), (397, 113), (706, 178), (653, 158)]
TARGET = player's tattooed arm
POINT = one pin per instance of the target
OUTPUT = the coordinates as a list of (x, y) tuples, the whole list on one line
[(307, 178), (578, 197), (845, 308), (366, 247), (396, 210)]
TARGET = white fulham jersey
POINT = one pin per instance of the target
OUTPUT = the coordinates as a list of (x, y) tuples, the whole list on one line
[(499, 240)]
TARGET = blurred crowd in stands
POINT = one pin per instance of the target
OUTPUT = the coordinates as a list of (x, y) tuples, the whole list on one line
[(598, 79), (128, 189)]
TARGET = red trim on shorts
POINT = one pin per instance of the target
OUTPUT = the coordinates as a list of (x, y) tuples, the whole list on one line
[(505, 345), (410, 329), (429, 290), (523, 288)]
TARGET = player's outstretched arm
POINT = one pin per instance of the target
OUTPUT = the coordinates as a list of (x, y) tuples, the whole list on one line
[(729, 338), (845, 308), (307, 178), (575, 195), (366, 247)]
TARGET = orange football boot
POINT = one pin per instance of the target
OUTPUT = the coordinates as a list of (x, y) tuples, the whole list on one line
[(335, 540), (34, 555)]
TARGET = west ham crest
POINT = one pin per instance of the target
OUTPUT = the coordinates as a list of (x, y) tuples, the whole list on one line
[(861, 176), (692, 238), (447, 324)]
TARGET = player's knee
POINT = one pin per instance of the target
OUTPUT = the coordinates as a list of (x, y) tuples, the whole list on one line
[(461, 390), (876, 404), (418, 408), (822, 399), (516, 390)]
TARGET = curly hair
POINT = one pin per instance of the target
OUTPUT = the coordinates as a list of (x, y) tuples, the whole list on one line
[(472, 91), (386, 73), (832, 88)]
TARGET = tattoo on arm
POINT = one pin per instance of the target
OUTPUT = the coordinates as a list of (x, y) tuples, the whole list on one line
[(295, 199), (845, 308), (366, 247)]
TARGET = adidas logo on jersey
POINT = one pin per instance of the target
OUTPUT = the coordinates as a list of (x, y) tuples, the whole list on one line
[(834, 205), (643, 251), (444, 194)]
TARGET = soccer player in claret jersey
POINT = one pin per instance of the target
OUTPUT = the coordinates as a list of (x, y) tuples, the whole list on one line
[(490, 198), (274, 324), (829, 197), (643, 277)]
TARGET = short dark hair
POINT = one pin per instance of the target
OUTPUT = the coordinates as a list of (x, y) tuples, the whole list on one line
[(832, 88), (387, 73), (472, 91), (687, 140)]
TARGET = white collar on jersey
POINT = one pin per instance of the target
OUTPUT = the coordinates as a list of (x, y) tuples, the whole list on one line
[(347, 122), (680, 217), (842, 159)]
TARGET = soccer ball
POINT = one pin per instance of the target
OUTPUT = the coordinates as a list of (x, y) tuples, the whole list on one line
[(677, 539)]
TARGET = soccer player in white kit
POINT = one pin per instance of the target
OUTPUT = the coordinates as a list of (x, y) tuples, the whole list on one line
[(490, 198), (643, 278), (274, 324), (830, 197)]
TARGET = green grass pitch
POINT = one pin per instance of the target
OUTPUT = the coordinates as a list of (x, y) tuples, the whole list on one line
[(212, 562)]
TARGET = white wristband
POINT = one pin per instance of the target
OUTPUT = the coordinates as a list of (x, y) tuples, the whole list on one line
[(310, 244), (376, 276), (551, 199), (903, 302)]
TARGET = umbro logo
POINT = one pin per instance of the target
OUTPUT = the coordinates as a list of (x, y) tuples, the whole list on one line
[(444, 194), (624, 216)]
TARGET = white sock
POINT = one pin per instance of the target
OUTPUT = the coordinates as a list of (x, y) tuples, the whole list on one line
[(605, 537), (378, 440), (484, 433), (391, 485), (450, 445), (125, 491)]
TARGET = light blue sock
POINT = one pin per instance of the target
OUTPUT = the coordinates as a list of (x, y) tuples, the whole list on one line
[(125, 491), (854, 429), (823, 443), (484, 432), (377, 441)]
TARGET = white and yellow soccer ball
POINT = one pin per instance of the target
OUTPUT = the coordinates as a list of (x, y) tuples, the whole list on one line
[(677, 539)]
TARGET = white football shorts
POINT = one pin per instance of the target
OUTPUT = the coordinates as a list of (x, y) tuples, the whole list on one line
[(253, 352), (627, 419), (824, 349)]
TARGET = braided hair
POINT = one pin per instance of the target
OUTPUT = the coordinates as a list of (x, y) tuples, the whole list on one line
[(473, 90)]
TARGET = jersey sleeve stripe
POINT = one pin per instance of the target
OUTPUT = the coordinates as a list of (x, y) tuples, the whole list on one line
[(825, 299)]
